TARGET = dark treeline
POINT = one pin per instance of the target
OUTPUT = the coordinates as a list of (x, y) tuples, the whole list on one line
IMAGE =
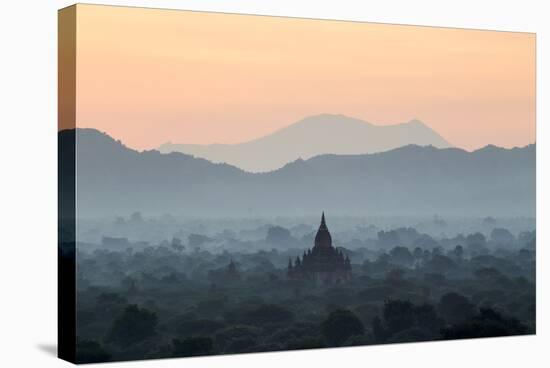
[(180, 298)]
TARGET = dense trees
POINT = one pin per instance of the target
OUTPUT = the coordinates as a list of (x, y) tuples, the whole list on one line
[(133, 325), (455, 308), (278, 235), (488, 323), (235, 337), (199, 327), (403, 321), (192, 346), (89, 351), (402, 256), (341, 325), (502, 236), (398, 315), (267, 314), (165, 300)]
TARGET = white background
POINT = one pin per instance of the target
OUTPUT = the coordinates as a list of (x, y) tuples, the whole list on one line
[(28, 249)]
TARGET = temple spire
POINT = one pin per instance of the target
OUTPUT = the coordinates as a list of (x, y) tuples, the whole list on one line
[(323, 224), (323, 238)]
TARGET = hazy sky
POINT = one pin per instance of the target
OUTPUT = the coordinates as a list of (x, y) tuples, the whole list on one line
[(151, 76)]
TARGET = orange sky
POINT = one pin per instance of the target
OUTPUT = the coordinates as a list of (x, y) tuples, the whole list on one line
[(148, 76)]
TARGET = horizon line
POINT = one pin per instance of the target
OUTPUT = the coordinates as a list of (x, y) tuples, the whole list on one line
[(489, 145)]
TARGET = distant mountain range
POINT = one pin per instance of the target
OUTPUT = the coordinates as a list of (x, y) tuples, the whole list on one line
[(411, 180), (313, 136)]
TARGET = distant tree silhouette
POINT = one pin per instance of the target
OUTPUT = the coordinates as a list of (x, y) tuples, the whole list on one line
[(231, 272), (136, 217), (227, 274), (426, 318), (89, 351), (388, 238), (441, 264), (458, 252), (133, 325), (435, 278), (375, 293), (378, 330), (199, 327), (268, 314), (177, 245), (358, 340), (476, 242), (425, 241), (487, 273), (418, 254), (525, 255), (295, 331), (404, 321), (398, 315), (305, 342), (410, 335), (455, 308), (196, 240), (488, 323), (211, 306), (502, 236), (340, 325), (223, 338), (278, 235), (401, 256), (489, 221), (395, 276), (241, 345), (192, 346), (104, 299), (527, 239), (437, 251)]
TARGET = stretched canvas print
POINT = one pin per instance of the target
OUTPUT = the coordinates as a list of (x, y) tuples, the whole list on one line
[(237, 183)]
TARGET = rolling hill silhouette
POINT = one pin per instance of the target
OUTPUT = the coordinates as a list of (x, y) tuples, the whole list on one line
[(410, 180), (313, 136)]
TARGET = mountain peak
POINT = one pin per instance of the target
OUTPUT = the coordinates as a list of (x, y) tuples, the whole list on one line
[(327, 118), (415, 121), (313, 136)]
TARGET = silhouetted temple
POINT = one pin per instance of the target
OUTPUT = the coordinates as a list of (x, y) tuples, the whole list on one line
[(227, 274), (323, 264)]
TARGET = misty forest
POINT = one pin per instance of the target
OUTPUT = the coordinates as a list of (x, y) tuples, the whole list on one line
[(180, 256), (195, 287)]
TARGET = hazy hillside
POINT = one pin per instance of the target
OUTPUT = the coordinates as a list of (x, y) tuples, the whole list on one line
[(113, 179), (312, 136)]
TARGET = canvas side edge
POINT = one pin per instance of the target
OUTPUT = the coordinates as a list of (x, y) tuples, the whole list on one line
[(66, 297)]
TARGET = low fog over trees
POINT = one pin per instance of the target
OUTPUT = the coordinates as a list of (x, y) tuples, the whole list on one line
[(168, 287)]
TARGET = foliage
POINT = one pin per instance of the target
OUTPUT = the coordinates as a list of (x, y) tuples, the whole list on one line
[(267, 314), (192, 346), (455, 308), (340, 325), (227, 336), (398, 315), (488, 323), (133, 325), (157, 300), (89, 351)]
